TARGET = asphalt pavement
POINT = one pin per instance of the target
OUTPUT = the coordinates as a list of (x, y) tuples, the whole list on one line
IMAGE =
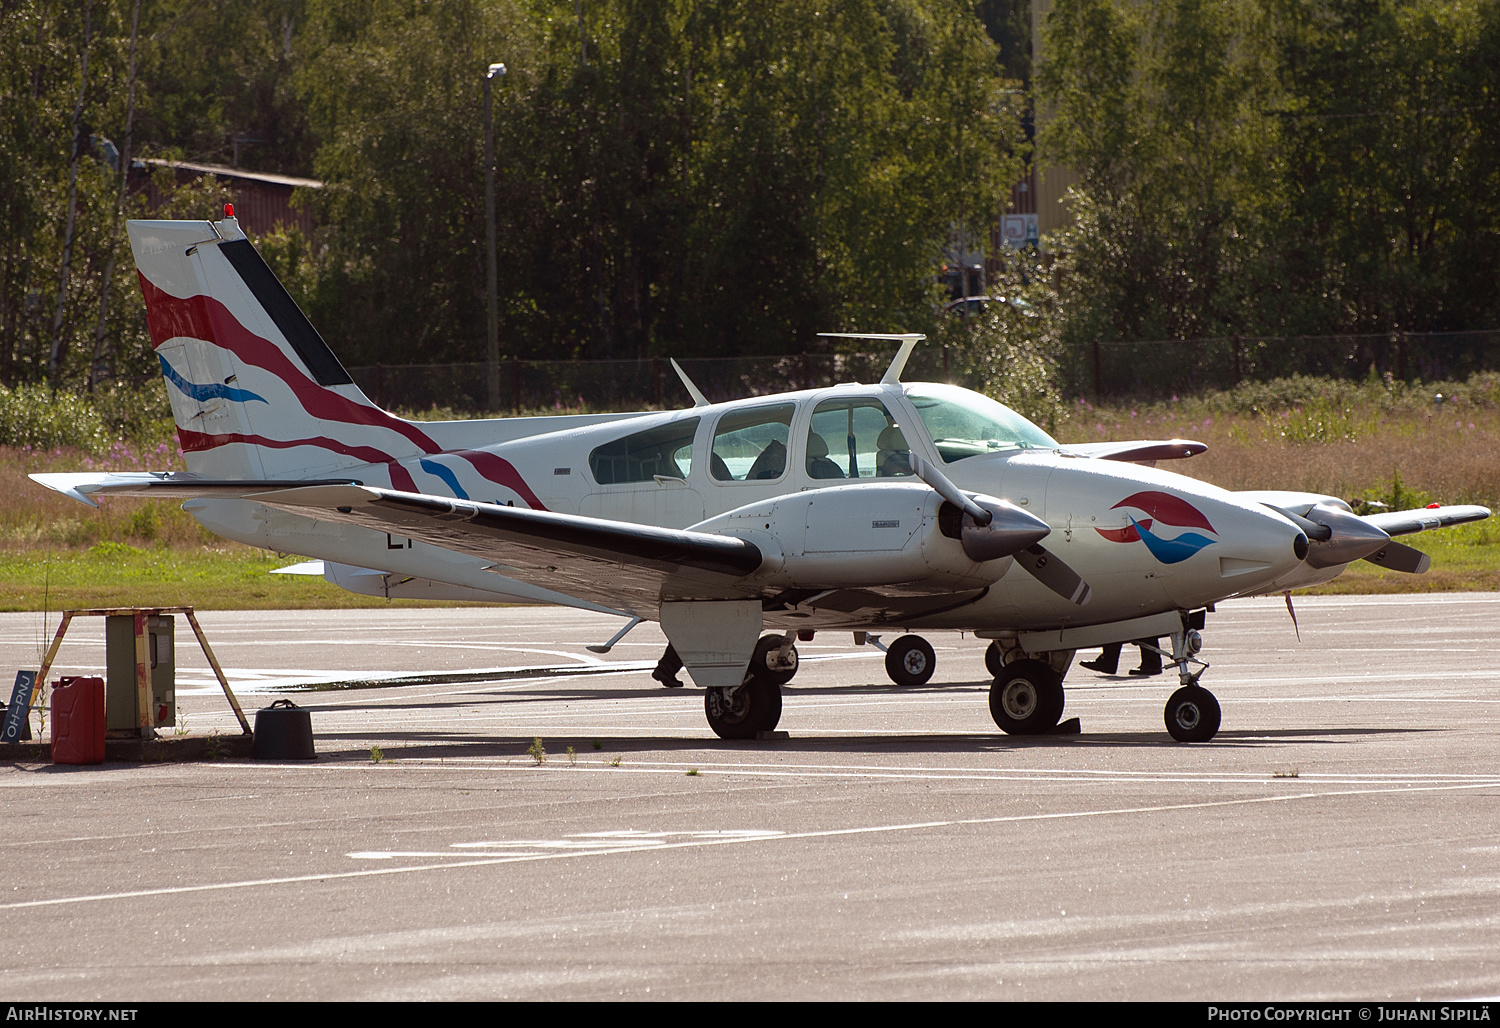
[(1339, 839)]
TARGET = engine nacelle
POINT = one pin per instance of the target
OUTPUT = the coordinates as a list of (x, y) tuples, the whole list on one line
[(859, 535)]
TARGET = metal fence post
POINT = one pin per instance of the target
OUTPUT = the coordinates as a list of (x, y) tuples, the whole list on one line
[(1098, 375)]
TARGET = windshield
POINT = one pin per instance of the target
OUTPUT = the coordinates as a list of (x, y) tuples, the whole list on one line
[(963, 423)]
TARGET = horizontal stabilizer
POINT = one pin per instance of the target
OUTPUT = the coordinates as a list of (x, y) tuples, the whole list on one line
[(166, 485), (307, 567)]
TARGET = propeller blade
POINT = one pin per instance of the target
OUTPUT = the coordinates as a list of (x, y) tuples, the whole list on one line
[(1401, 557), (1049, 569)]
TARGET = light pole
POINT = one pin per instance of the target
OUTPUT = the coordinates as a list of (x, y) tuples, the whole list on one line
[(492, 352)]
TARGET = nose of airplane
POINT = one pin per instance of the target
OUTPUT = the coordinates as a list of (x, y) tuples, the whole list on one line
[(1251, 547)]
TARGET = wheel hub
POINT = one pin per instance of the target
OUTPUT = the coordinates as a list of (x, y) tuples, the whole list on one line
[(730, 706), (1019, 699), (1188, 715)]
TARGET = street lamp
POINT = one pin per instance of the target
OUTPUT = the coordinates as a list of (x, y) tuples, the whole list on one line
[(492, 352)]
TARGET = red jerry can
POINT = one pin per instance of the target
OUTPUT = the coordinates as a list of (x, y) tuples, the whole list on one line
[(78, 721)]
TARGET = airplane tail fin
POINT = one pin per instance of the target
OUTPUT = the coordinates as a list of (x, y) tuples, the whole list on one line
[(255, 391)]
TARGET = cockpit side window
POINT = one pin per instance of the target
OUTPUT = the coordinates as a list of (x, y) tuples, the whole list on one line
[(856, 438), (666, 450), (750, 445)]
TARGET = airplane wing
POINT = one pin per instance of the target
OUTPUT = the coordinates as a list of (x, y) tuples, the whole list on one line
[(1139, 449), (1406, 522), (624, 566), (618, 566)]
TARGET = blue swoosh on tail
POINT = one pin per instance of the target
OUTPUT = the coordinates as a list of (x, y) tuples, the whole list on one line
[(1172, 551), (447, 475), (212, 391)]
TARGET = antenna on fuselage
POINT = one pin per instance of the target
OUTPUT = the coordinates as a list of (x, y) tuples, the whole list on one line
[(909, 341), (699, 400)]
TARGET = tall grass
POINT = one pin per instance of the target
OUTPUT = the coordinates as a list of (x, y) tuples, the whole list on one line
[(1405, 444), (1376, 440)]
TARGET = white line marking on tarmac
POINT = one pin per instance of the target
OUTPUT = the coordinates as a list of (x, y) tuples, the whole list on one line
[(715, 841)]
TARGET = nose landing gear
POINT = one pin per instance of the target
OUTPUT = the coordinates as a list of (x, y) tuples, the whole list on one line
[(1192, 713)]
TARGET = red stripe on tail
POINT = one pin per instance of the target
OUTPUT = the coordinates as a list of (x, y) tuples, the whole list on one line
[(203, 317)]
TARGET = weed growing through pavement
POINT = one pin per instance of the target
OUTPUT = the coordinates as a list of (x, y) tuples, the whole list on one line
[(691, 772), (1293, 773), (536, 752), (376, 754), (216, 748), (615, 762), (572, 757)]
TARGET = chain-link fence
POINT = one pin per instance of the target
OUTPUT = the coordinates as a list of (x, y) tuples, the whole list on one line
[(1159, 369), (1146, 370), (625, 384)]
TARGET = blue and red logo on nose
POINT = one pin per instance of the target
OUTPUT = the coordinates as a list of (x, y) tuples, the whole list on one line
[(1158, 509)]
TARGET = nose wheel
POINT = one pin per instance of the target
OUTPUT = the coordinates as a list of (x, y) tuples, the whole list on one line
[(910, 661), (1192, 714)]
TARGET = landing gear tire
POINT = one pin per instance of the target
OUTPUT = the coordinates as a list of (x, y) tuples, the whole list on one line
[(1027, 698), (910, 661), (752, 708), (765, 662), (1192, 714), (994, 663)]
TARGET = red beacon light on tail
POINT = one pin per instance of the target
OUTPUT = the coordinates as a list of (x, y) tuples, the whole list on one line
[(229, 210)]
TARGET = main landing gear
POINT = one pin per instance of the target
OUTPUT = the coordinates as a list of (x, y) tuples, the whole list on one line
[(755, 706), (1027, 697)]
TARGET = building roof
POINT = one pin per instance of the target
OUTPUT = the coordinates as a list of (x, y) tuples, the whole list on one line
[(240, 173)]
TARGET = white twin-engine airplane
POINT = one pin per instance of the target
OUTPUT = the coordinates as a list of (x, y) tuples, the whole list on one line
[(858, 507)]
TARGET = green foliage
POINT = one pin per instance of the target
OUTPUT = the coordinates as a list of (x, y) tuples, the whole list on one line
[(1393, 495), (34, 416), (39, 418), (693, 177), (1275, 167)]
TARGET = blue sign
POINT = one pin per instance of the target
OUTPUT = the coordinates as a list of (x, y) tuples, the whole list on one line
[(15, 714)]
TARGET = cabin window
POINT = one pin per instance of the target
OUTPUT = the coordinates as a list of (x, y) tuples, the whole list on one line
[(856, 438), (665, 451), (964, 423), (750, 445)]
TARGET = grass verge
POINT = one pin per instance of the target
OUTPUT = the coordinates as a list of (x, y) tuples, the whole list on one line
[(209, 578)]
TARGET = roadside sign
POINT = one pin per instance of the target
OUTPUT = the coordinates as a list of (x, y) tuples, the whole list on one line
[(1020, 230), (20, 702)]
